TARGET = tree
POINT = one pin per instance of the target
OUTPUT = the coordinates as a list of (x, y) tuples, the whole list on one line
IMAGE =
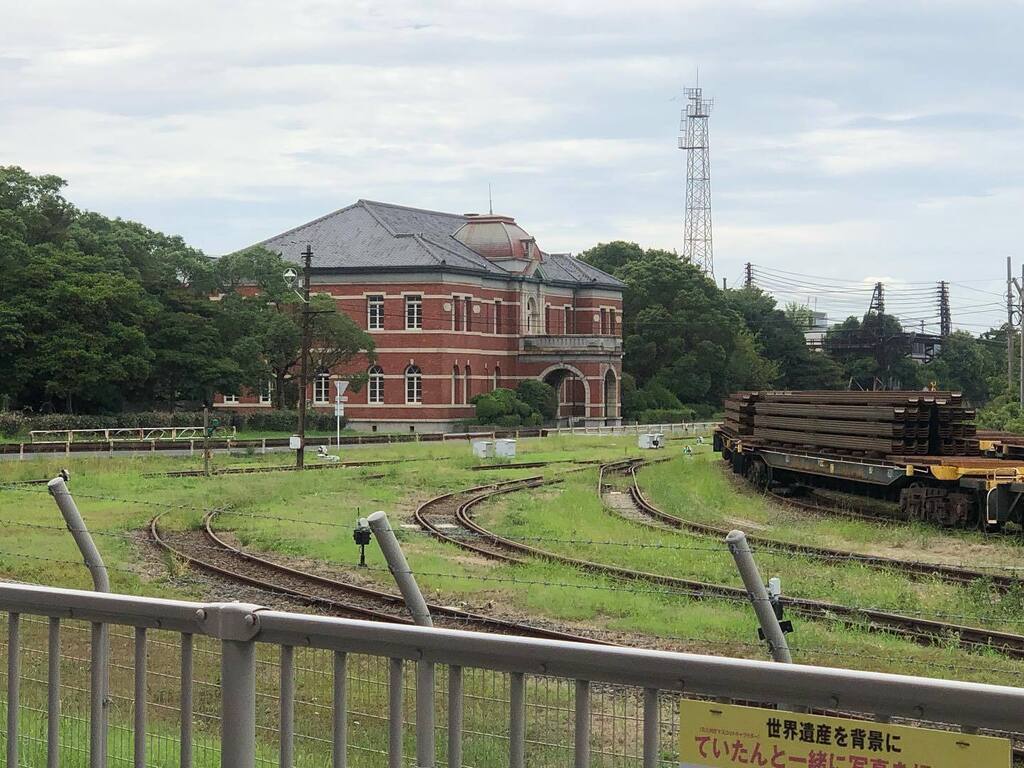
[(967, 364), (96, 313), (682, 341), (263, 324), (779, 337)]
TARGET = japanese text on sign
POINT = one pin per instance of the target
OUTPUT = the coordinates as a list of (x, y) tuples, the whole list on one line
[(724, 736)]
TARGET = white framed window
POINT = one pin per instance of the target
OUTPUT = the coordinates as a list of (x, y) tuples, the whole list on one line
[(467, 385), (497, 377), (267, 392), (230, 399), (375, 385), (413, 385), (467, 314), (612, 321), (497, 316), (413, 312), (375, 313), (322, 389), (455, 384), (567, 320)]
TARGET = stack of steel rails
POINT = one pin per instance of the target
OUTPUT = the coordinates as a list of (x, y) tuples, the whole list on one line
[(739, 414), (907, 423)]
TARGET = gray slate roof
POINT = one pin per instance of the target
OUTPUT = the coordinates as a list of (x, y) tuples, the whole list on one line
[(368, 235)]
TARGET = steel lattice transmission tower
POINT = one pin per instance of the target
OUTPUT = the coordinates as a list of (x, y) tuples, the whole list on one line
[(697, 244)]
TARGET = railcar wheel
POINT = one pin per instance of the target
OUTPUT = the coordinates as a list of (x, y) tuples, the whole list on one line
[(759, 474)]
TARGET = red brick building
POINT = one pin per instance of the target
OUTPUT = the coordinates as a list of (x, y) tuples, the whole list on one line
[(457, 305)]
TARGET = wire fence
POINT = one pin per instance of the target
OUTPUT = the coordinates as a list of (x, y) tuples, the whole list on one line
[(616, 712)]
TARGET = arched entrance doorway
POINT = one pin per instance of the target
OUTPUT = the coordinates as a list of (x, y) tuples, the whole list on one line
[(573, 392), (611, 398)]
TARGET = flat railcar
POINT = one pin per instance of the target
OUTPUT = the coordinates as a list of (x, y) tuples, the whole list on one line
[(971, 491)]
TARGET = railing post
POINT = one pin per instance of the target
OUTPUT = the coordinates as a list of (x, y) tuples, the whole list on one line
[(13, 683), (424, 714), (517, 721), (582, 737), (340, 716), (100, 637), (395, 713), (399, 568), (454, 716), (652, 728), (236, 624), (185, 756), (287, 724), (139, 729), (777, 645), (53, 696)]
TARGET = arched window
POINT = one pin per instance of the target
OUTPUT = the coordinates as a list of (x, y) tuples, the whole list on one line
[(532, 317), (375, 385), (467, 385), (413, 385), (455, 384), (497, 377), (322, 388)]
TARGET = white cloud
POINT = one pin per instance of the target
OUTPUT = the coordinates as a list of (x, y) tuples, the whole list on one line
[(844, 138)]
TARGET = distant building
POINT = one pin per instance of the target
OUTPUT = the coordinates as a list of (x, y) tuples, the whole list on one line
[(457, 305), (818, 327)]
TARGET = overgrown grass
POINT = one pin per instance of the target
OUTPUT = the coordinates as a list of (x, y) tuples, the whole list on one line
[(705, 491), (117, 500)]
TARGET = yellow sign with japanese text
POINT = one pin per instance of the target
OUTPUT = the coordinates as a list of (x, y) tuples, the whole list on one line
[(726, 736)]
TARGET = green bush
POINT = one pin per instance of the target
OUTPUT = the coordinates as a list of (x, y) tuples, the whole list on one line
[(495, 404), (506, 408), (665, 415), (11, 423), (541, 398)]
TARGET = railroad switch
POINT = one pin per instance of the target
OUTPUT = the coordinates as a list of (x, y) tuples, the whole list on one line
[(361, 535)]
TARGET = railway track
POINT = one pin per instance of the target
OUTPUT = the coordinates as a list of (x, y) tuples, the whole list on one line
[(281, 468), (213, 554), (651, 515), (449, 519)]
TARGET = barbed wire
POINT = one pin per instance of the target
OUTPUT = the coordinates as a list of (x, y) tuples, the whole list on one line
[(764, 549)]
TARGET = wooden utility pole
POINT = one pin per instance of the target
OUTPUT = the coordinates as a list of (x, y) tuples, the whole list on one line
[(1009, 326), (206, 440), (307, 259)]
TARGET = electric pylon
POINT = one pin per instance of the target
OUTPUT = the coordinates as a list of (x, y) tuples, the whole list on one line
[(945, 318), (877, 300), (697, 242)]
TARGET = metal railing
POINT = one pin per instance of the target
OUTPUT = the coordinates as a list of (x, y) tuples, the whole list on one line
[(121, 434), (234, 684)]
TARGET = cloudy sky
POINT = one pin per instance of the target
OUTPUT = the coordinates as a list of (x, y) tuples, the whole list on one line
[(850, 141)]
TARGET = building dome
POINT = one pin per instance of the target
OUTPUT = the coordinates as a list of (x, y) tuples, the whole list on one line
[(496, 237)]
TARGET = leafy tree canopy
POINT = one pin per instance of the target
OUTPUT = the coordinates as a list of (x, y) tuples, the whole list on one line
[(99, 313)]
